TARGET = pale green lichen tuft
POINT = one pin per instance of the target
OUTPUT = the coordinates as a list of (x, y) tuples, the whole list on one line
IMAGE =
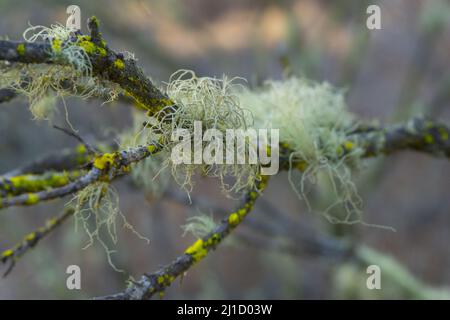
[(199, 225), (64, 45), (43, 108), (39, 82), (313, 120), (213, 102), (97, 211)]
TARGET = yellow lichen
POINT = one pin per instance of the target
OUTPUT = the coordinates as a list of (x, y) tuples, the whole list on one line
[(31, 236), (444, 134), (7, 253), (138, 104), (119, 64), (242, 212), (213, 240), (234, 219), (301, 165), (21, 49), (35, 183), (197, 250), (104, 160), (428, 138), (56, 45), (348, 145), (52, 222), (101, 51), (32, 199), (81, 149), (88, 46), (165, 279)]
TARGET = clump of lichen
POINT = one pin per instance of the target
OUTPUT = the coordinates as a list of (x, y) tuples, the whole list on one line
[(314, 122), (73, 77), (199, 225), (213, 102), (44, 107), (64, 46), (40, 82), (312, 119), (97, 212)]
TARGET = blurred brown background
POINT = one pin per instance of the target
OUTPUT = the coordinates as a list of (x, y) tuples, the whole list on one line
[(390, 74)]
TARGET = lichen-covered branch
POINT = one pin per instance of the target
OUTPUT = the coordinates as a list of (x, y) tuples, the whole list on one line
[(30, 240), (296, 240), (419, 134), (106, 64), (24, 52), (28, 183), (64, 160), (279, 232), (104, 167), (155, 283)]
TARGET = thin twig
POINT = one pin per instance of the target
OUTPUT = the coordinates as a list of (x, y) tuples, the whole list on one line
[(91, 150)]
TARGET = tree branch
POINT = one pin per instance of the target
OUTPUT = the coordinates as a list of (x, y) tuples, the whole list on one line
[(106, 64), (16, 185), (30, 240), (67, 159), (7, 95), (104, 167), (419, 134), (154, 283)]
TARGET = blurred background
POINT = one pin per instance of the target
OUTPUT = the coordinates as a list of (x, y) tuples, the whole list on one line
[(280, 252)]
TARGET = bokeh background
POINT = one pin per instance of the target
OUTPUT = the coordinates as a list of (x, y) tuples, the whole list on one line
[(389, 75)]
